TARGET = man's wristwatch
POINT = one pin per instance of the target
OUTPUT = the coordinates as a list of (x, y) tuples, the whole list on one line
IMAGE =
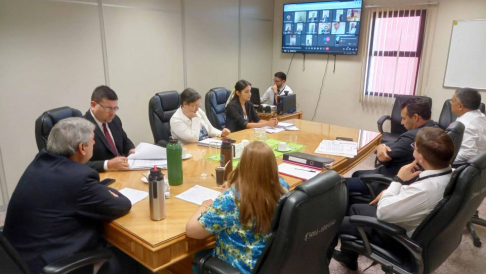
[(397, 179)]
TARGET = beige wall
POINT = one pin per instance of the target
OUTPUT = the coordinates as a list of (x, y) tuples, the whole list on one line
[(52, 56), (339, 100)]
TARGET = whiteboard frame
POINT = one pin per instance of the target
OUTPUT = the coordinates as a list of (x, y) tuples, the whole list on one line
[(449, 52)]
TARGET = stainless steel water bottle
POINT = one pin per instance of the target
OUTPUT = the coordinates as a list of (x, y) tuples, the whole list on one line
[(156, 194)]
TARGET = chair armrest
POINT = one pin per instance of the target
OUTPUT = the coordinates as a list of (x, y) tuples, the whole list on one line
[(457, 164), (388, 228), (367, 179), (380, 178), (381, 121), (76, 261), (213, 264)]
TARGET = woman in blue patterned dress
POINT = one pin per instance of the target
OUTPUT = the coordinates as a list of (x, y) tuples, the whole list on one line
[(240, 217)]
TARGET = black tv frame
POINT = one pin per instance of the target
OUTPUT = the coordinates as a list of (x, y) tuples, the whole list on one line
[(310, 51)]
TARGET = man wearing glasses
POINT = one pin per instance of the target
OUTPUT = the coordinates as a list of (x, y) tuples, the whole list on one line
[(111, 142)]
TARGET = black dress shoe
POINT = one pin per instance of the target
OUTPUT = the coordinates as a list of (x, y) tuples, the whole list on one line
[(345, 261)]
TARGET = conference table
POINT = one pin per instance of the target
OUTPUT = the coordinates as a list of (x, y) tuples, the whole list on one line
[(161, 245)]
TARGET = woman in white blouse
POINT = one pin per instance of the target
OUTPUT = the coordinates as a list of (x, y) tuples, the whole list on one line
[(189, 124)]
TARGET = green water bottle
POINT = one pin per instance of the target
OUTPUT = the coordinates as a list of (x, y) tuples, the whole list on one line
[(174, 162)]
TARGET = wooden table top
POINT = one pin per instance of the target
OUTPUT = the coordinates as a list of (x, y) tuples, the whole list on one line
[(151, 236)]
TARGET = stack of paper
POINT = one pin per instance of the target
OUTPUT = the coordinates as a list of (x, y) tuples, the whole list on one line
[(300, 172), (338, 148), (146, 164), (208, 141), (198, 194), (134, 195), (281, 126), (147, 156)]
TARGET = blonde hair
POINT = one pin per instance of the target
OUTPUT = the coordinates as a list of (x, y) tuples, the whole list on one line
[(257, 183)]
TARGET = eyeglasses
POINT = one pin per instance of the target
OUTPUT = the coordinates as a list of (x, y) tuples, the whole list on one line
[(413, 145), (109, 108)]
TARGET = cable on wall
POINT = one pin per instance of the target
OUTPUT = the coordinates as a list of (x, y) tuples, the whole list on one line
[(320, 90), (334, 70), (303, 63), (288, 70)]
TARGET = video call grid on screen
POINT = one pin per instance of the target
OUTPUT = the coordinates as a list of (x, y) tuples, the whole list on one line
[(330, 27)]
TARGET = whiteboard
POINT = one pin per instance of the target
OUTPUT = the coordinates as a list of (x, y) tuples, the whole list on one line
[(466, 64)]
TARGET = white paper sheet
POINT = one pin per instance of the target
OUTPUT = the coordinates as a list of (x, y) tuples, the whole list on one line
[(337, 147), (146, 151), (284, 124), (297, 171), (134, 195), (198, 194), (146, 164)]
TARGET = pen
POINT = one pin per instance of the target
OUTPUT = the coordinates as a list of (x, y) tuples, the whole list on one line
[(308, 170)]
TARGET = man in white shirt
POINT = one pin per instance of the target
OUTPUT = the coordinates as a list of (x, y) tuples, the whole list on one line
[(405, 205), (279, 88), (465, 105), (189, 124)]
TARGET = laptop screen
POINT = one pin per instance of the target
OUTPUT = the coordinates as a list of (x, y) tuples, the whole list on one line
[(255, 96)]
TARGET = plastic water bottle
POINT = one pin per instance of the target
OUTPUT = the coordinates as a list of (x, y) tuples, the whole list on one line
[(174, 162), (156, 194)]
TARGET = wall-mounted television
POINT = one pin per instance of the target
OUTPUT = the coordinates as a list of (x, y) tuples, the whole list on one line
[(330, 27)]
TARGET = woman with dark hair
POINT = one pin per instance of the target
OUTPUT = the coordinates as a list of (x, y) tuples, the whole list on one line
[(189, 123), (240, 113), (240, 217)]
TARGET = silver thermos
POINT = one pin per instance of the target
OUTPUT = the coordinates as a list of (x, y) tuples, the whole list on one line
[(156, 194)]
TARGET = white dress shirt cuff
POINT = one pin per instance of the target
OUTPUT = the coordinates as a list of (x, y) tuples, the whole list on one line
[(105, 165)]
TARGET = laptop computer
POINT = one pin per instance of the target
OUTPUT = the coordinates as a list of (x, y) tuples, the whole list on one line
[(255, 96)]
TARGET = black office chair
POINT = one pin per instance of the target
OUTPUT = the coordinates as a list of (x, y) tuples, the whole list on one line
[(395, 119), (215, 105), (447, 116), (455, 131), (305, 222), (437, 236), (161, 108), (11, 262), (48, 119)]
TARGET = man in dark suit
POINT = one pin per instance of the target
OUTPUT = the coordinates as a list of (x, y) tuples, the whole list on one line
[(59, 204), (112, 143), (415, 115)]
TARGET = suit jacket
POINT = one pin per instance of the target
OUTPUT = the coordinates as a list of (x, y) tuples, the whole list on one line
[(402, 151), (102, 150), (235, 120), (57, 208)]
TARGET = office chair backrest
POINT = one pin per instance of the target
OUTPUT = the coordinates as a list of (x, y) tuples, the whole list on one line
[(304, 223), (447, 116), (215, 105), (440, 233), (161, 108), (48, 119), (456, 132), (396, 126), (10, 261)]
